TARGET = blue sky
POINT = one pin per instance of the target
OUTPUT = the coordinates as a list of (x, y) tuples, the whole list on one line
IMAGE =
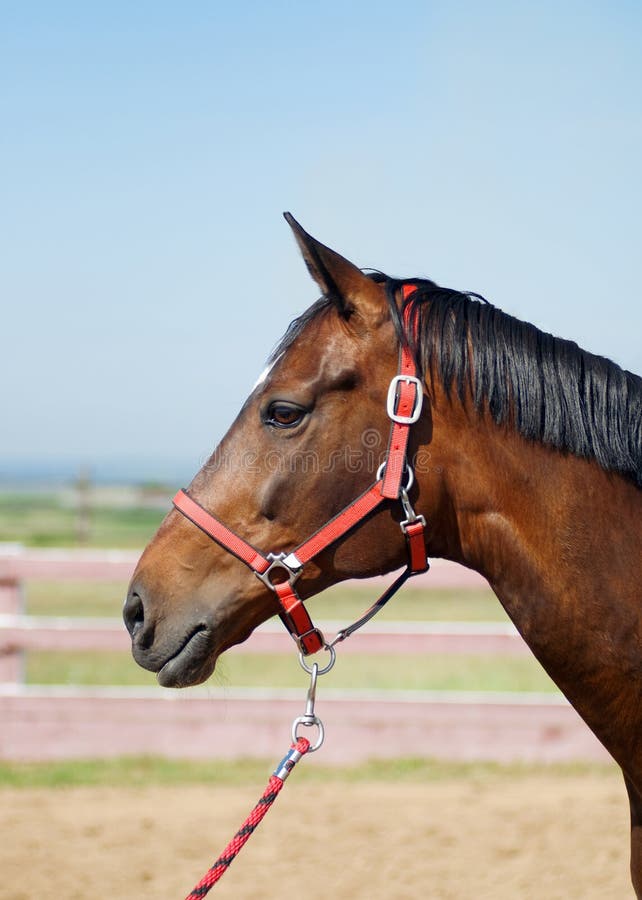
[(148, 151)]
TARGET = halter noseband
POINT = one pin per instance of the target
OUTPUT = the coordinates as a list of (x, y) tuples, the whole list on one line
[(404, 404)]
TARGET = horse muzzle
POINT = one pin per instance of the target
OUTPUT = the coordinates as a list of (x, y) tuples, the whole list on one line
[(181, 654)]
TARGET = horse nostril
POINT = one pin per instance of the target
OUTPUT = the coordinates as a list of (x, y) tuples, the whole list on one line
[(133, 614)]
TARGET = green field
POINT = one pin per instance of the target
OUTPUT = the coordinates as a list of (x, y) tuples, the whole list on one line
[(142, 771), (75, 598), (51, 519), (359, 672)]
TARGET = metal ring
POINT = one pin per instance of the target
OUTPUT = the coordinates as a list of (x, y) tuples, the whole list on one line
[(279, 561), (308, 723), (407, 470), (308, 669)]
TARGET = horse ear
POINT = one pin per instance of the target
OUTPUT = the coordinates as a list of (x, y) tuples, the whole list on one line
[(340, 280)]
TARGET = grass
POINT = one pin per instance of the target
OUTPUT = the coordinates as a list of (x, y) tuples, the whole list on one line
[(50, 520), (359, 672), (85, 668), (75, 598), (138, 772), (411, 604), (393, 672), (126, 528)]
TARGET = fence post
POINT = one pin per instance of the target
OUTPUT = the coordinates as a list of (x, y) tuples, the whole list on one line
[(12, 602)]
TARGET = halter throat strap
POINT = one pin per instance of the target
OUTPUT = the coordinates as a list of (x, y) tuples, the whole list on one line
[(279, 571)]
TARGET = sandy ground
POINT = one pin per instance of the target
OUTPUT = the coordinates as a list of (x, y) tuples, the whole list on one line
[(528, 836)]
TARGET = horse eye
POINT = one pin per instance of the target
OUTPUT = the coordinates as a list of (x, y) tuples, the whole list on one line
[(284, 415)]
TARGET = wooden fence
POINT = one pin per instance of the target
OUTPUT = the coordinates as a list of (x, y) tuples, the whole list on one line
[(39, 722)]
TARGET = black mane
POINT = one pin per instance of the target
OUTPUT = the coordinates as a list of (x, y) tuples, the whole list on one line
[(547, 388)]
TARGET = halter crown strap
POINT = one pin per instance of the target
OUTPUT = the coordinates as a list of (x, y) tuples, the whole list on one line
[(404, 408), (405, 399)]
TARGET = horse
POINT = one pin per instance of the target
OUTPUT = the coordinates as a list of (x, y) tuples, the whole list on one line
[(514, 452)]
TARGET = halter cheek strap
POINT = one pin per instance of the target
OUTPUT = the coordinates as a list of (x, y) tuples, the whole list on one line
[(279, 571)]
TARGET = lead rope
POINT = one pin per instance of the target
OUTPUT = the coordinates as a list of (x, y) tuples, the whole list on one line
[(227, 857), (299, 747)]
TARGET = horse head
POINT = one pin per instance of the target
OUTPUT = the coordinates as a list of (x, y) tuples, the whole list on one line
[(309, 439)]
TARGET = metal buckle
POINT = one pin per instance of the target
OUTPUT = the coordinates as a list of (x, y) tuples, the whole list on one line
[(299, 638), (288, 562), (391, 403), (406, 522), (411, 516)]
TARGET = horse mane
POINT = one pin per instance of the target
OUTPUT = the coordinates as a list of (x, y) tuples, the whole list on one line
[(547, 388)]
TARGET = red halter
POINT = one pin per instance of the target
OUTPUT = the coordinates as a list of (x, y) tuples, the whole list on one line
[(404, 404)]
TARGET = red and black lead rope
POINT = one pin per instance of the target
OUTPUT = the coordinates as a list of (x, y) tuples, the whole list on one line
[(227, 857)]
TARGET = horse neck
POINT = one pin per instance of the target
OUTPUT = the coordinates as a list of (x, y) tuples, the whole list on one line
[(546, 529), (559, 541)]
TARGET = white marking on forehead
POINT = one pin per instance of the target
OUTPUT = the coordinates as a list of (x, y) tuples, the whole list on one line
[(266, 371), (264, 374)]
